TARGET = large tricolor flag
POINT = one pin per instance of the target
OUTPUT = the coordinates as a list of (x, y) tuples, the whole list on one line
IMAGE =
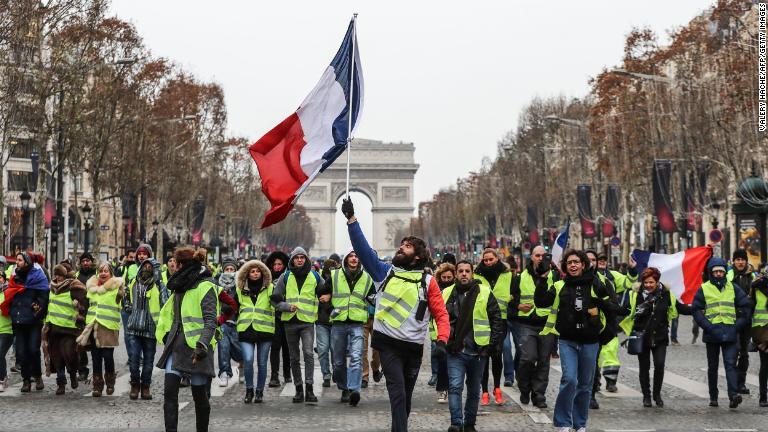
[(302, 146), (561, 243), (680, 272)]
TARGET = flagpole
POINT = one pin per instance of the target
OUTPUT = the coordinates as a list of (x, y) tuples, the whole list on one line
[(351, 94)]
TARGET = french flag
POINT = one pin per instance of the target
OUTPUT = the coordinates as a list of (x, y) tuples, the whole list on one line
[(561, 244), (296, 151), (680, 272)]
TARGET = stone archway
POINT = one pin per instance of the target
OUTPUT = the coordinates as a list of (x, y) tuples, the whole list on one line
[(384, 172)]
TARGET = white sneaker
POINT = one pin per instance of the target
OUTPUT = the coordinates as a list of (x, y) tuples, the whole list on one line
[(582, 429), (223, 379), (240, 376), (564, 429), (442, 397)]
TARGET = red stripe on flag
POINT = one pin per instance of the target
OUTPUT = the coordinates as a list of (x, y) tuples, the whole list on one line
[(278, 158), (694, 263)]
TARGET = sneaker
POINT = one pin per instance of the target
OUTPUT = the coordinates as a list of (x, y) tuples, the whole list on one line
[(593, 404), (610, 387), (240, 375), (377, 376), (274, 382), (354, 398), (485, 399), (713, 403), (581, 429), (564, 429), (675, 343), (735, 401), (326, 382), (498, 396), (509, 383), (223, 379), (432, 381), (442, 397), (364, 384)]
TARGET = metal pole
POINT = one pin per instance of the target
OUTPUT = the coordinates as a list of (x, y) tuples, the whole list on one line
[(60, 243), (351, 94)]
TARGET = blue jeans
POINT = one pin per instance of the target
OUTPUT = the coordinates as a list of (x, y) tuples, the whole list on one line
[(196, 379), (141, 347), (578, 362), (459, 366), (730, 352), (322, 348), (347, 341), (262, 351), (673, 329), (227, 350)]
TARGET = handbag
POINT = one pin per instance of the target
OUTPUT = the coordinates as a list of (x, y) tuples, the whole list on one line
[(635, 342)]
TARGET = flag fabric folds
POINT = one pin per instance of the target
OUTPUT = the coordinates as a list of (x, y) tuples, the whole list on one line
[(560, 245), (302, 146), (680, 272)]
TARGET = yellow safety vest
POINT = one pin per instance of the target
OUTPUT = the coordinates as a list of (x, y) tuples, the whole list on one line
[(261, 316), (720, 307), (192, 322), (399, 298), (5, 321), (760, 317), (61, 312), (527, 291), (153, 299), (104, 309), (351, 305), (481, 326), (432, 328), (628, 323), (305, 299), (501, 290), (549, 327)]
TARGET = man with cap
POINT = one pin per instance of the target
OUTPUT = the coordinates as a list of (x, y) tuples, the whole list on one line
[(297, 294), (740, 275), (721, 309)]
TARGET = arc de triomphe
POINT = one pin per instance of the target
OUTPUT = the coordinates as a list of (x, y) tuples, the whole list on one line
[(384, 173)]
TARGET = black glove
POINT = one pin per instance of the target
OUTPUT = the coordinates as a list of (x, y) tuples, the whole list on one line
[(201, 352), (347, 209), (440, 351)]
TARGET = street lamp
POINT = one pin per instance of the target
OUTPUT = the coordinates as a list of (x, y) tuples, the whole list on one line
[(86, 209), (178, 235), (25, 199)]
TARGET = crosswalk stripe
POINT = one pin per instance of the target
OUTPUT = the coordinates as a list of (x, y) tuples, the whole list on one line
[(751, 379), (624, 391), (218, 391), (694, 387), (534, 413)]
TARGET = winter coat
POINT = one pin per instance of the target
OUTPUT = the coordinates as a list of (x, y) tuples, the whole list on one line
[(460, 307), (102, 337), (721, 333), (78, 294), (21, 311), (250, 335), (568, 314), (654, 320)]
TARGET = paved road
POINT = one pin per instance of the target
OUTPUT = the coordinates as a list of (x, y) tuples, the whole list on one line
[(684, 392)]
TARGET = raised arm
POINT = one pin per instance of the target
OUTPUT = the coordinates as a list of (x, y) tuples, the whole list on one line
[(368, 257)]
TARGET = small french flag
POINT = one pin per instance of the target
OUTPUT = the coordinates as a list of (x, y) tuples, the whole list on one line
[(680, 272), (561, 244)]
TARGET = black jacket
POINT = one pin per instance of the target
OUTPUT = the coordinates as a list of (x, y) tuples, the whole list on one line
[(651, 317), (460, 307), (574, 323)]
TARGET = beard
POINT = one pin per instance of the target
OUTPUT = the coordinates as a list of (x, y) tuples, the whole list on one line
[(402, 260)]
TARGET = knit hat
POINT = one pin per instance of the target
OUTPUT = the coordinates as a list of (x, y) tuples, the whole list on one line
[(448, 258), (144, 247), (739, 253), (86, 255), (299, 251), (336, 257), (228, 260), (60, 270), (716, 263)]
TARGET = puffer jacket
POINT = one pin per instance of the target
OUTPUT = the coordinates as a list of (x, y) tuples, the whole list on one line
[(721, 333)]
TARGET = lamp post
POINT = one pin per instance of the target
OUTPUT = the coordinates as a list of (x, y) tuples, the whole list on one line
[(178, 235), (86, 209), (25, 198)]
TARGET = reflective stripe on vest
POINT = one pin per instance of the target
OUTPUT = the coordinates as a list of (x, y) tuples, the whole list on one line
[(153, 299), (432, 327), (260, 316), (719, 304), (61, 312), (5, 321), (192, 321), (501, 290), (103, 308), (399, 298), (481, 327), (351, 305), (527, 291), (760, 318), (549, 327), (305, 300)]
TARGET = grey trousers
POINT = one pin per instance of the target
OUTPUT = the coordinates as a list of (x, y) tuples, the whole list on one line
[(304, 332), (533, 370)]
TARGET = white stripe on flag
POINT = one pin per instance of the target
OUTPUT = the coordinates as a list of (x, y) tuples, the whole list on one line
[(671, 268)]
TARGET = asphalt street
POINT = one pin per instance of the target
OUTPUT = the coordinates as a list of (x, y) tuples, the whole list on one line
[(685, 395)]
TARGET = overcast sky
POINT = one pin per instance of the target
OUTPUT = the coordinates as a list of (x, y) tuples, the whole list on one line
[(450, 78)]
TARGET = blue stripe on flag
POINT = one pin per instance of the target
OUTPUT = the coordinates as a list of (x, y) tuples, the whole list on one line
[(562, 238), (641, 257), (342, 65)]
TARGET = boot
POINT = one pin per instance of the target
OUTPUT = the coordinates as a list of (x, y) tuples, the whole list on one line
[(274, 382), (763, 399), (109, 379), (248, 396), (202, 407), (171, 402), (735, 401), (310, 397), (61, 387), (345, 396), (593, 404), (26, 386), (39, 385), (259, 396), (98, 385), (610, 385), (134, 394), (658, 400), (742, 390), (73, 381), (299, 397), (647, 402), (145, 393)]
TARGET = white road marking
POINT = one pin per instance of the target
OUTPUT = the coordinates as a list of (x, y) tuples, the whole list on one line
[(696, 388), (751, 379)]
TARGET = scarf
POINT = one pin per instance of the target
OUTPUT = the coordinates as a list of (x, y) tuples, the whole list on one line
[(60, 287), (491, 273), (186, 278)]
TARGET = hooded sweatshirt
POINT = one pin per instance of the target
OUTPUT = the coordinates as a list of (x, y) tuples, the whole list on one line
[(301, 274)]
